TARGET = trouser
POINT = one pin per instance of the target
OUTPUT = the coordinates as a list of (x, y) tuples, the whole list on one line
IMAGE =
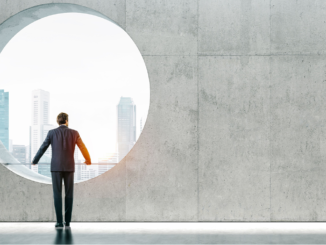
[(68, 178)]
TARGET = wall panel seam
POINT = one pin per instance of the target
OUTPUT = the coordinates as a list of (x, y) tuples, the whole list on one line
[(269, 88), (197, 79)]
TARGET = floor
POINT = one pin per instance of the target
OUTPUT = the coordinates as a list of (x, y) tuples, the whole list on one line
[(164, 233)]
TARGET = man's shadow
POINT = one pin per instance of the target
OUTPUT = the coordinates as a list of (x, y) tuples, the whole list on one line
[(63, 236)]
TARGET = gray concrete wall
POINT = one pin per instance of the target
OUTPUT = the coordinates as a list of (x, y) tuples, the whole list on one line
[(236, 125)]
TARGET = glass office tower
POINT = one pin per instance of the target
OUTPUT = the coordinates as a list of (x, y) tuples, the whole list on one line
[(4, 118), (126, 110), (40, 103), (19, 152)]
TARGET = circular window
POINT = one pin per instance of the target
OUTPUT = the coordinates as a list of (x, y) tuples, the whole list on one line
[(80, 64)]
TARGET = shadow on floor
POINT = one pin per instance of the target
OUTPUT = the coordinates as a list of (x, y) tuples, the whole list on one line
[(63, 236), (67, 237)]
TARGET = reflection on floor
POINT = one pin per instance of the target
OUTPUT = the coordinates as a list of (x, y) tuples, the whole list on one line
[(164, 233)]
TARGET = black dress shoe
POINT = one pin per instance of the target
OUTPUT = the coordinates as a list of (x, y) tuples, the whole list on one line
[(67, 224), (59, 226)]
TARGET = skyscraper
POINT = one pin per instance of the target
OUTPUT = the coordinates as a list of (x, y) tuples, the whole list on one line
[(10, 146), (28, 156), (110, 160), (88, 172), (142, 123), (77, 174), (126, 133), (4, 118), (39, 129), (19, 152)]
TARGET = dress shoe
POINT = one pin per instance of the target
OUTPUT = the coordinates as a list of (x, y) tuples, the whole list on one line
[(67, 224), (59, 226)]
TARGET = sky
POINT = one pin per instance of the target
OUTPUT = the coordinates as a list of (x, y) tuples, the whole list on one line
[(86, 63)]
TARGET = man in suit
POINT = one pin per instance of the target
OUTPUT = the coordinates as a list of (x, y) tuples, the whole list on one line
[(63, 141)]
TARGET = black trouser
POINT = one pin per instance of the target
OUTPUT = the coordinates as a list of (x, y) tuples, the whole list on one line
[(68, 178)]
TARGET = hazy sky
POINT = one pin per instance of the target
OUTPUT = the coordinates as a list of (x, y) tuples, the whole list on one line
[(86, 63)]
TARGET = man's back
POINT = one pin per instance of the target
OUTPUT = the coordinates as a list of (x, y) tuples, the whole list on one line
[(63, 141)]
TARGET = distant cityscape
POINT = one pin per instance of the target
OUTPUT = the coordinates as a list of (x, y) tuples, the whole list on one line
[(39, 128)]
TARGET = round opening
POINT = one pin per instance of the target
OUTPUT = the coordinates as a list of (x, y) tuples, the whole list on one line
[(80, 64)]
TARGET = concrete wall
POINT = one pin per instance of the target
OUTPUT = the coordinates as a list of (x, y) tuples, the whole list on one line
[(236, 126)]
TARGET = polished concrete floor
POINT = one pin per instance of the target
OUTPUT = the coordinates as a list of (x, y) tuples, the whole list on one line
[(164, 233)]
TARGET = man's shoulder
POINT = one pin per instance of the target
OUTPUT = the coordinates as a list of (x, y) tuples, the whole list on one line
[(51, 130), (58, 128), (73, 131), (54, 129)]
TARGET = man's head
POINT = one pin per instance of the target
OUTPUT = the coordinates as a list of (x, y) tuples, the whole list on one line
[(62, 118)]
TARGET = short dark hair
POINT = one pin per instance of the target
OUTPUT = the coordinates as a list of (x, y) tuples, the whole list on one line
[(62, 117)]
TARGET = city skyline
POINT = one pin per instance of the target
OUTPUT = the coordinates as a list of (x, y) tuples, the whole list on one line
[(39, 128), (40, 107), (85, 69)]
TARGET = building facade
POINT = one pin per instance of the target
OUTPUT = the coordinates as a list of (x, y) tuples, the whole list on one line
[(142, 124), (39, 129), (77, 174), (126, 132), (108, 162), (10, 146), (19, 152), (4, 118), (88, 172), (27, 149)]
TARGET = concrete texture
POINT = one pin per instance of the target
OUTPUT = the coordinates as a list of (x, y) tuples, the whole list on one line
[(13, 25), (234, 138), (233, 27), (114, 9), (163, 27), (102, 198), (236, 125), (297, 137), (158, 152), (23, 199), (298, 27)]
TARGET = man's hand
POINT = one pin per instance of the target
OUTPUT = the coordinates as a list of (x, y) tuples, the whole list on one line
[(33, 164), (87, 163)]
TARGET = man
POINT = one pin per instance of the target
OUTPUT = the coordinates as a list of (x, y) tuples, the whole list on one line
[(63, 141)]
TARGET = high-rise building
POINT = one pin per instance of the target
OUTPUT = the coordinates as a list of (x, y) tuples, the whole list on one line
[(111, 160), (142, 123), (45, 161), (88, 173), (28, 156), (39, 129), (4, 118), (77, 174), (10, 145), (19, 152), (126, 133)]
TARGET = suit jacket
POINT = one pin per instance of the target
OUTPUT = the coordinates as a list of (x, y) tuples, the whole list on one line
[(63, 141)]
